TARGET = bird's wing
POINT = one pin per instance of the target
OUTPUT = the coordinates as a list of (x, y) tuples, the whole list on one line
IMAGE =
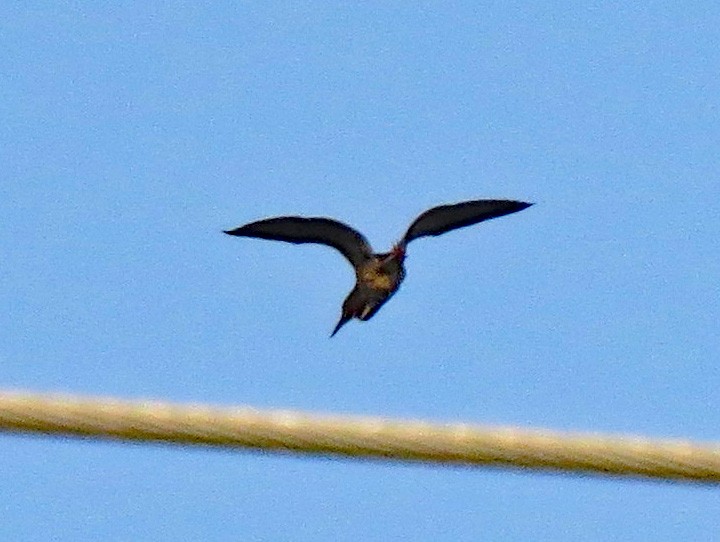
[(295, 229), (439, 220)]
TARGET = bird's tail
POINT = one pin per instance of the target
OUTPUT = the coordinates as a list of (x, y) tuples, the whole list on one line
[(343, 320)]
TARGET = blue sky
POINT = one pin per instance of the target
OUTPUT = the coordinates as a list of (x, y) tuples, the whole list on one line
[(132, 134)]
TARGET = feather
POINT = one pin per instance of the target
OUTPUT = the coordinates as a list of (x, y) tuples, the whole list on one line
[(444, 218), (294, 229)]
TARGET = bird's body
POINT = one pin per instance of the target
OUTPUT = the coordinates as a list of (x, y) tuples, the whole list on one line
[(378, 275), (376, 282)]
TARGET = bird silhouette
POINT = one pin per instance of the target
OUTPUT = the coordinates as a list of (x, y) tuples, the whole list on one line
[(378, 275)]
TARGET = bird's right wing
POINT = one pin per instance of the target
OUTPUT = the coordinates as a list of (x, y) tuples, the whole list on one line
[(295, 229), (444, 218)]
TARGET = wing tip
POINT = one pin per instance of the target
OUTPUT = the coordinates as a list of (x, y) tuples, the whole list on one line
[(523, 205)]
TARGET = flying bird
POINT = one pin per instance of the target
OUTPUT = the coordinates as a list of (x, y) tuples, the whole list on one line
[(378, 275)]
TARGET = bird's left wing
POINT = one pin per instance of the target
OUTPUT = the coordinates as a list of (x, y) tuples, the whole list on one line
[(295, 229), (444, 218)]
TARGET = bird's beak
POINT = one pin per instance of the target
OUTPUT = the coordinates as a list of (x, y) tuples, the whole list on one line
[(343, 320)]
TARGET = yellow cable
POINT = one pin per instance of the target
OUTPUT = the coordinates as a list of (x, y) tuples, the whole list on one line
[(372, 438)]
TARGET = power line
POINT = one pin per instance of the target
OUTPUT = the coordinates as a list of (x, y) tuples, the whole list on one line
[(349, 436)]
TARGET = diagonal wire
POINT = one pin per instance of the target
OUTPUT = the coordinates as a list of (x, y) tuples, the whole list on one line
[(370, 438)]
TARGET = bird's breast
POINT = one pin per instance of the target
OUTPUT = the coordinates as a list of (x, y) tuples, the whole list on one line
[(378, 278)]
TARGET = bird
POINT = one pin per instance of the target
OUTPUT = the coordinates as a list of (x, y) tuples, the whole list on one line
[(378, 275)]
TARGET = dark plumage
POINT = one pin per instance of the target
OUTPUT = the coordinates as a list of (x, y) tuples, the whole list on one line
[(378, 276)]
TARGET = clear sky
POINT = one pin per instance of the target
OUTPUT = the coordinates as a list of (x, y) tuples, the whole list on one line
[(132, 133)]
